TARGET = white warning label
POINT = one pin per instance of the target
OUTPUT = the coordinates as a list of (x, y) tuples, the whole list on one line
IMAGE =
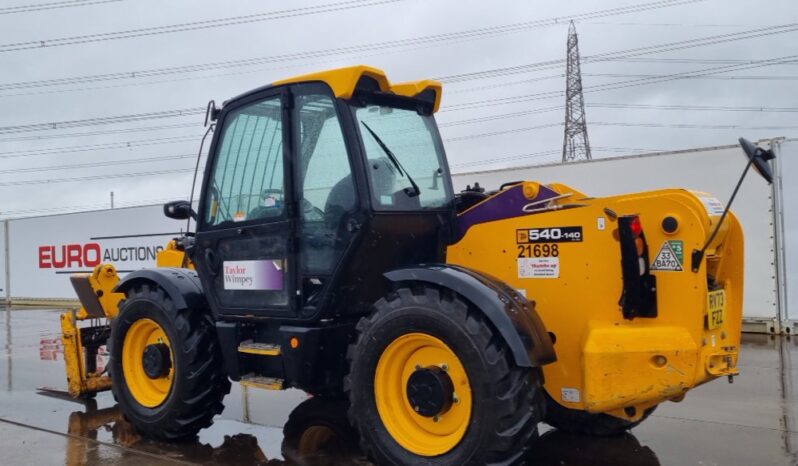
[(712, 204), (538, 267), (670, 256), (571, 395)]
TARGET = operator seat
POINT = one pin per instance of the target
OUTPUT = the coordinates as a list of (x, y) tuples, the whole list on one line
[(342, 196)]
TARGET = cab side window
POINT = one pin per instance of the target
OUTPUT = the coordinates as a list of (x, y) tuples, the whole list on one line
[(328, 191), (247, 180)]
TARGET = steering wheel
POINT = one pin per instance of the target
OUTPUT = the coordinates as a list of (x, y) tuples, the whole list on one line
[(311, 212), (273, 209)]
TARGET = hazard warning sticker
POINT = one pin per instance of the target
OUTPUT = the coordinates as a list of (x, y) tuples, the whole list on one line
[(670, 256), (538, 267)]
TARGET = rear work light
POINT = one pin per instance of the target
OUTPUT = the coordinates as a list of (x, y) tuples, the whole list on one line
[(639, 296)]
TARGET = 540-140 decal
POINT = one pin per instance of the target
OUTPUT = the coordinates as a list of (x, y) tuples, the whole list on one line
[(549, 235)]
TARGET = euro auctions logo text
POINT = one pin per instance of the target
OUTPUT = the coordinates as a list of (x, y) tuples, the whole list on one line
[(89, 255)]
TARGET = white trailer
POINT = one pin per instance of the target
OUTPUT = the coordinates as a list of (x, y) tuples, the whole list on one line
[(38, 253), (43, 251), (4, 265), (715, 170), (786, 221)]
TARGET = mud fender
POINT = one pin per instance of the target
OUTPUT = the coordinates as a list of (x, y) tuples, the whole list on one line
[(513, 316), (182, 285)]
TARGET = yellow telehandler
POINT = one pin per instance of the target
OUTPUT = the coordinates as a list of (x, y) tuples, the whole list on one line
[(331, 254)]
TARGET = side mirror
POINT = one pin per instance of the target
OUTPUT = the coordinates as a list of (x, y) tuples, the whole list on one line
[(759, 159), (179, 210)]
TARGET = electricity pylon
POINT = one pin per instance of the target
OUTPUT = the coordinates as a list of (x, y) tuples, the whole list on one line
[(576, 145)]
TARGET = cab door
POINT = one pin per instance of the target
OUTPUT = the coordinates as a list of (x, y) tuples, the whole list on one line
[(245, 226)]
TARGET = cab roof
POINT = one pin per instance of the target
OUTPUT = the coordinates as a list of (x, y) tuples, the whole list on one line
[(344, 81)]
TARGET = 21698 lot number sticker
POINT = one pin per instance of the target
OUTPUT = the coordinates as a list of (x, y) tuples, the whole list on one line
[(549, 235), (538, 250)]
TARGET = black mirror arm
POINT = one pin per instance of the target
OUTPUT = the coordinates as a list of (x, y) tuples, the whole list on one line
[(698, 255)]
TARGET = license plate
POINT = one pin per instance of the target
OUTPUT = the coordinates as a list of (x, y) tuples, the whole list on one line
[(716, 309)]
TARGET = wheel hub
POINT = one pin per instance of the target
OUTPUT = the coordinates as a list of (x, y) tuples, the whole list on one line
[(156, 360), (430, 391)]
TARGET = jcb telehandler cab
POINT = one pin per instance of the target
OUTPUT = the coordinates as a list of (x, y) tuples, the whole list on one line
[(325, 223)]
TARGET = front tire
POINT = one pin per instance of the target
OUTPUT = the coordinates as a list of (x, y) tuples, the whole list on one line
[(165, 365), (426, 341)]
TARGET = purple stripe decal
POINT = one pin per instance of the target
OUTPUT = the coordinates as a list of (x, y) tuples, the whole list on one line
[(506, 204)]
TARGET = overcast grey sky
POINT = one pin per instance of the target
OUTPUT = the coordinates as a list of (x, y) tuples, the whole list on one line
[(373, 32)]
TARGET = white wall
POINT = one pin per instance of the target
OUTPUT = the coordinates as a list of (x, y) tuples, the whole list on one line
[(127, 237), (787, 153), (712, 170)]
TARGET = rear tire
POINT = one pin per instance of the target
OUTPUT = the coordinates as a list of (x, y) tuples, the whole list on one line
[(319, 428), (196, 385), (595, 425), (505, 400)]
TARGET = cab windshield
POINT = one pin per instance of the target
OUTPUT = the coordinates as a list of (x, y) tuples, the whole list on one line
[(405, 159)]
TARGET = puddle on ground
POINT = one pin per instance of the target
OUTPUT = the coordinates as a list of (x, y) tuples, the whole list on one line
[(290, 428)]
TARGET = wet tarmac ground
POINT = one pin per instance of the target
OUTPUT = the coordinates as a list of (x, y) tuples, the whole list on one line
[(751, 422)]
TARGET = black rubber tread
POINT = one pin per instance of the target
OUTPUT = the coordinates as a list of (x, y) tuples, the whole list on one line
[(508, 403), (320, 412), (581, 422), (200, 383)]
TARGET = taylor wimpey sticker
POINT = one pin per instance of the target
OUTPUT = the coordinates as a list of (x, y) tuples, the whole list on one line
[(261, 275), (538, 267), (712, 204), (670, 256)]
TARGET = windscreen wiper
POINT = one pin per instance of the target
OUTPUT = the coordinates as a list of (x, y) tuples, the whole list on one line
[(395, 161)]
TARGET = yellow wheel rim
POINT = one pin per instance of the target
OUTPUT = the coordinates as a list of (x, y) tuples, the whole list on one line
[(426, 436), (314, 439), (149, 392)]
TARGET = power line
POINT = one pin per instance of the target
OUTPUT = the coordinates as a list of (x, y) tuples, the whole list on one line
[(690, 126), (628, 53), (504, 84), (628, 23), (438, 39), (94, 147), (102, 120), (500, 116), (463, 76), (109, 163), (467, 105), (688, 74), (694, 108), (506, 158), (78, 208), (695, 61), (444, 124), (95, 177), (193, 26), (731, 78), (502, 132), (99, 133), (52, 6), (616, 85)]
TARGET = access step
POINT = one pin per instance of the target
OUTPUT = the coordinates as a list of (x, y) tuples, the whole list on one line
[(262, 349), (264, 383)]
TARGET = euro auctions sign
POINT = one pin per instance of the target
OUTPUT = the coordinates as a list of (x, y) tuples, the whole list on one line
[(89, 255), (44, 251)]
